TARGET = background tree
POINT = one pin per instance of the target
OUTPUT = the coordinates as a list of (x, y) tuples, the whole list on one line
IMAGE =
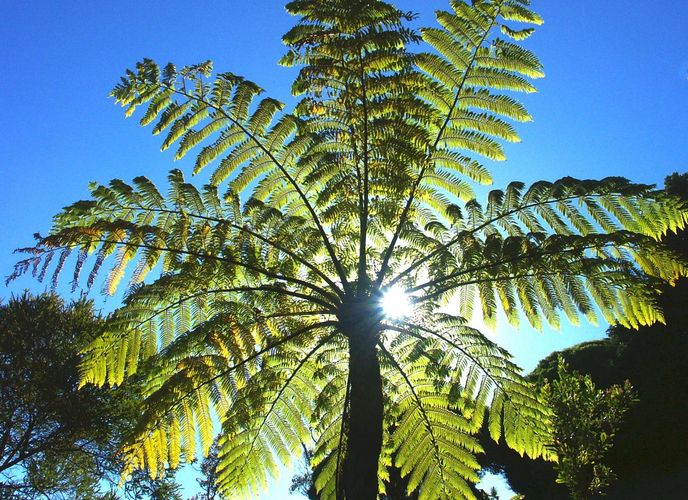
[(585, 421), (267, 311), (209, 475), (492, 495), (54, 440), (303, 481), (163, 487)]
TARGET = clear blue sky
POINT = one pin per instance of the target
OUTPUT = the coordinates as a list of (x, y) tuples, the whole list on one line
[(614, 101)]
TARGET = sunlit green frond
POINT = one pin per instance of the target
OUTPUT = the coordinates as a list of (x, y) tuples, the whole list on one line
[(431, 444), (269, 421), (446, 377)]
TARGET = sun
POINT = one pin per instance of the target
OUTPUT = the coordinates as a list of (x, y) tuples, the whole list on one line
[(396, 303)]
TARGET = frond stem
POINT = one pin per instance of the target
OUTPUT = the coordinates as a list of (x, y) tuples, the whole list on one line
[(244, 361), (463, 350), (502, 262), (286, 384), (421, 174), (447, 341), (199, 255), (282, 291), (362, 265), (256, 235), (282, 168), (465, 234), (447, 288), (426, 419)]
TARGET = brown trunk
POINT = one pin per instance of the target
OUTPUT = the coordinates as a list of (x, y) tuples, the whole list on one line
[(364, 437), (364, 441)]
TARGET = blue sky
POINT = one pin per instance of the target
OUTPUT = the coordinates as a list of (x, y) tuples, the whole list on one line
[(614, 101)]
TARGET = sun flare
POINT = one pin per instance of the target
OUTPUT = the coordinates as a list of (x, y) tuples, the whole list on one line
[(396, 303)]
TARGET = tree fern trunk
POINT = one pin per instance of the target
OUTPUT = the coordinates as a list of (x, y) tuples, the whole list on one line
[(364, 441)]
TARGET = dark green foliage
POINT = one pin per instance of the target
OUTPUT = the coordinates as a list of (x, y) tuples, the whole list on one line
[(208, 479), (585, 422), (303, 481), (491, 495), (141, 485), (650, 453), (57, 441), (54, 440)]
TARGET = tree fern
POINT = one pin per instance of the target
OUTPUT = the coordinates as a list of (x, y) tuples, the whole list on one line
[(254, 301)]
